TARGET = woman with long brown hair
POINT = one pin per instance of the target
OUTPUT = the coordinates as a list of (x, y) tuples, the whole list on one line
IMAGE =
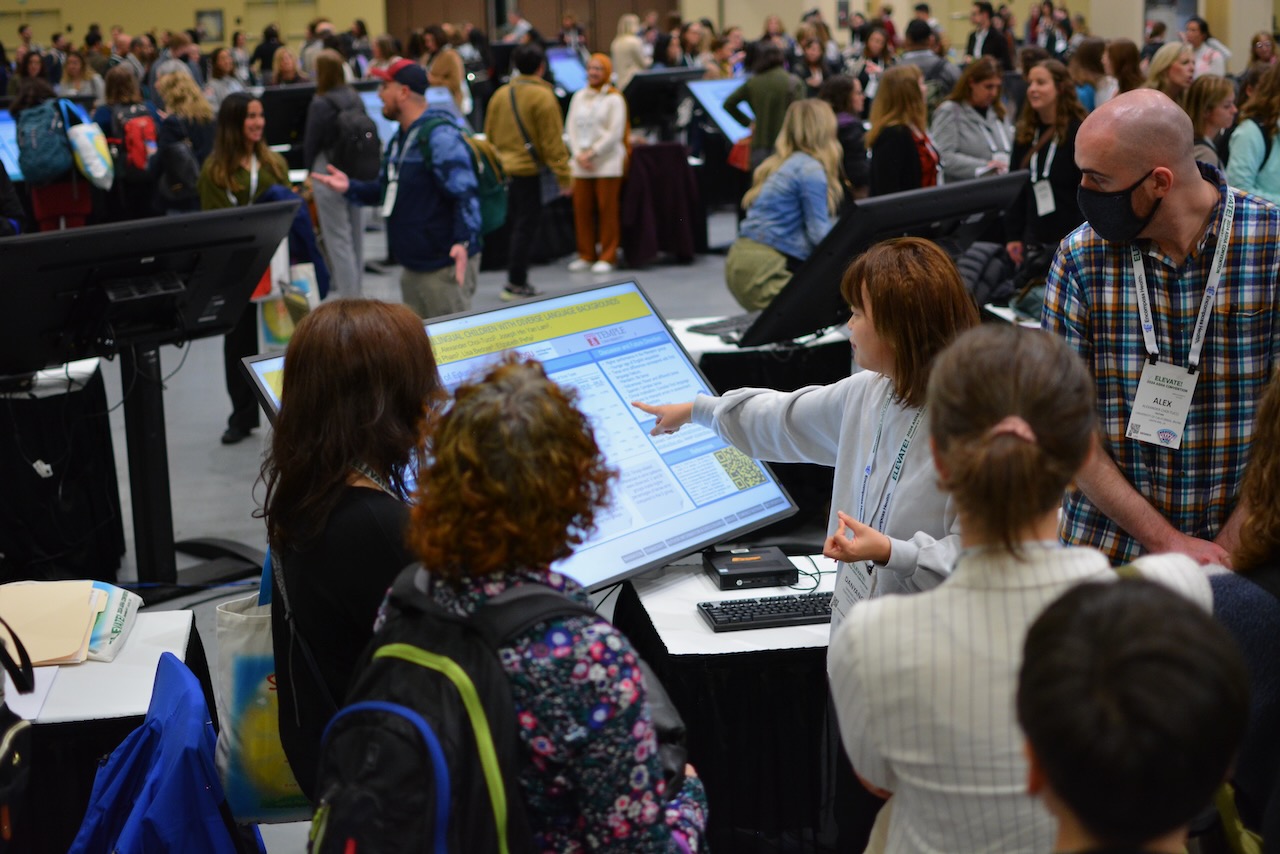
[(239, 170), (968, 126), (1122, 61), (903, 156), (360, 381), (1045, 143)]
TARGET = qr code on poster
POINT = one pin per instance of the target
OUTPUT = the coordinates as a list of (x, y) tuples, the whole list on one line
[(742, 470)]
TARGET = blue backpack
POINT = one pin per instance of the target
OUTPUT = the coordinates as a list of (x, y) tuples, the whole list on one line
[(44, 155)]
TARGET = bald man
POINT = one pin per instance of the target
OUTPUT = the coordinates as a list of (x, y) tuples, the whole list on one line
[(1169, 293)]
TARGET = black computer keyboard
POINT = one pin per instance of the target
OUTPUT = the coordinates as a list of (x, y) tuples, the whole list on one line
[(799, 609)]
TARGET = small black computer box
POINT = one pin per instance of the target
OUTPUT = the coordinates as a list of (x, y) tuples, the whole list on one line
[(739, 569)]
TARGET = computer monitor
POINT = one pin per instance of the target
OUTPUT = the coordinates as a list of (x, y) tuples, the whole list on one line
[(284, 111), (566, 68), (711, 95), (92, 291), (954, 215), (675, 494), (653, 96), (373, 106)]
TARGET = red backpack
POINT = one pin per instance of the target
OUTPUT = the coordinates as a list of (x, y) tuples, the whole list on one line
[(132, 141)]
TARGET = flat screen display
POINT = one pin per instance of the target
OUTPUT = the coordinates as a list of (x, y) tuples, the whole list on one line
[(675, 494), (711, 95), (373, 106), (567, 68), (9, 146)]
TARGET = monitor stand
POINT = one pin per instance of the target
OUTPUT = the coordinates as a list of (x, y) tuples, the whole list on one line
[(154, 546)]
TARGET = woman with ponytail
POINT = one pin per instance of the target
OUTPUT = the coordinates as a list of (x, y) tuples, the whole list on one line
[(598, 129), (923, 685)]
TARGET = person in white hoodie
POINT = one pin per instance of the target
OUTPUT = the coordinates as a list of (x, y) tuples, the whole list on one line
[(1210, 54), (597, 125)]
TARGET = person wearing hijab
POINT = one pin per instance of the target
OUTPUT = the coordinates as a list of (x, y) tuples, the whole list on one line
[(597, 125)]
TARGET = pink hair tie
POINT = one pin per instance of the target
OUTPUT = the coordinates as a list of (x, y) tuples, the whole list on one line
[(1014, 425)]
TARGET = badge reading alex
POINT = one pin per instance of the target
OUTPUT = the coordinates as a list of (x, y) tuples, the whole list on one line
[(1161, 406)]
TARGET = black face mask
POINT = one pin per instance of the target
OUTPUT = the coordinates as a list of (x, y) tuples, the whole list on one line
[(1111, 214)]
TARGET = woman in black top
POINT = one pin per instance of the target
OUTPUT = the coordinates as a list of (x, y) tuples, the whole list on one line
[(1045, 143), (186, 118), (903, 156), (844, 94), (359, 383)]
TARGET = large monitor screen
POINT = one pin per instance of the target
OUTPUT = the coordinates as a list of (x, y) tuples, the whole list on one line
[(373, 106), (675, 494), (711, 95), (9, 146), (567, 68)]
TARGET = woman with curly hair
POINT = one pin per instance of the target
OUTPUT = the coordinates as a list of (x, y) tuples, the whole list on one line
[(1250, 165), (1247, 602), (359, 382), (514, 483), (1172, 69), (1045, 143)]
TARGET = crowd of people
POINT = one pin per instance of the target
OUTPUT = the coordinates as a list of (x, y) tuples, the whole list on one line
[(989, 480)]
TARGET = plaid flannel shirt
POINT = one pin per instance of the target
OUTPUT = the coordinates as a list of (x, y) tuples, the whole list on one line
[(1089, 301)]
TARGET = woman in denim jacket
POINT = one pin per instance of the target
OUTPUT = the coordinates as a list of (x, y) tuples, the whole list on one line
[(789, 207)]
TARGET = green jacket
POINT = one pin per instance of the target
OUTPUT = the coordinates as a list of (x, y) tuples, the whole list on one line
[(768, 95)]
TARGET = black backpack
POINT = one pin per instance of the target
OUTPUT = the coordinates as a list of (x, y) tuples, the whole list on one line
[(179, 171), (357, 150), (426, 753)]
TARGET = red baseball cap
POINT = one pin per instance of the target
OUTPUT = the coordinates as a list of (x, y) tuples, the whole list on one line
[(406, 72)]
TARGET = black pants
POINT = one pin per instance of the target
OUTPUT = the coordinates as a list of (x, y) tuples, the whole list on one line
[(241, 341), (524, 207)]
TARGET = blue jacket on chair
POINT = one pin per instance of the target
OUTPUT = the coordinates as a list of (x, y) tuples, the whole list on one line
[(159, 790)]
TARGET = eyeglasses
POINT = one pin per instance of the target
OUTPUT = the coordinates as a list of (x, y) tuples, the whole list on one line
[(1262, 42)]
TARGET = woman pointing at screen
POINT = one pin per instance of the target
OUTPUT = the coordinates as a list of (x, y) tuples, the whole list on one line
[(890, 527)]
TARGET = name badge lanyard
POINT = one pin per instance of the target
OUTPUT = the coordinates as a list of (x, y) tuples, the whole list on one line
[(253, 182), (394, 164), (1048, 162), (1003, 144), (1143, 296), (895, 475)]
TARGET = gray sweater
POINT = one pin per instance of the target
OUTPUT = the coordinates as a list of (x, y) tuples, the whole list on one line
[(967, 140), (836, 425)]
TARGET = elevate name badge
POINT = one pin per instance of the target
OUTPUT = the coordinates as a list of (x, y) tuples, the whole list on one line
[(1045, 203), (1161, 406), (853, 584)]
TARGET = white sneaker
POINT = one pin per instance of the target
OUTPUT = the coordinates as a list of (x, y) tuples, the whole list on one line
[(602, 267), (579, 265)]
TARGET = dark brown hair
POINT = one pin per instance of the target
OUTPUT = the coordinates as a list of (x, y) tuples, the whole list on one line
[(1126, 64), (1003, 483), (515, 477), (919, 305), (229, 144), (360, 379), (981, 70), (121, 86), (1260, 535), (1263, 106), (1067, 108)]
